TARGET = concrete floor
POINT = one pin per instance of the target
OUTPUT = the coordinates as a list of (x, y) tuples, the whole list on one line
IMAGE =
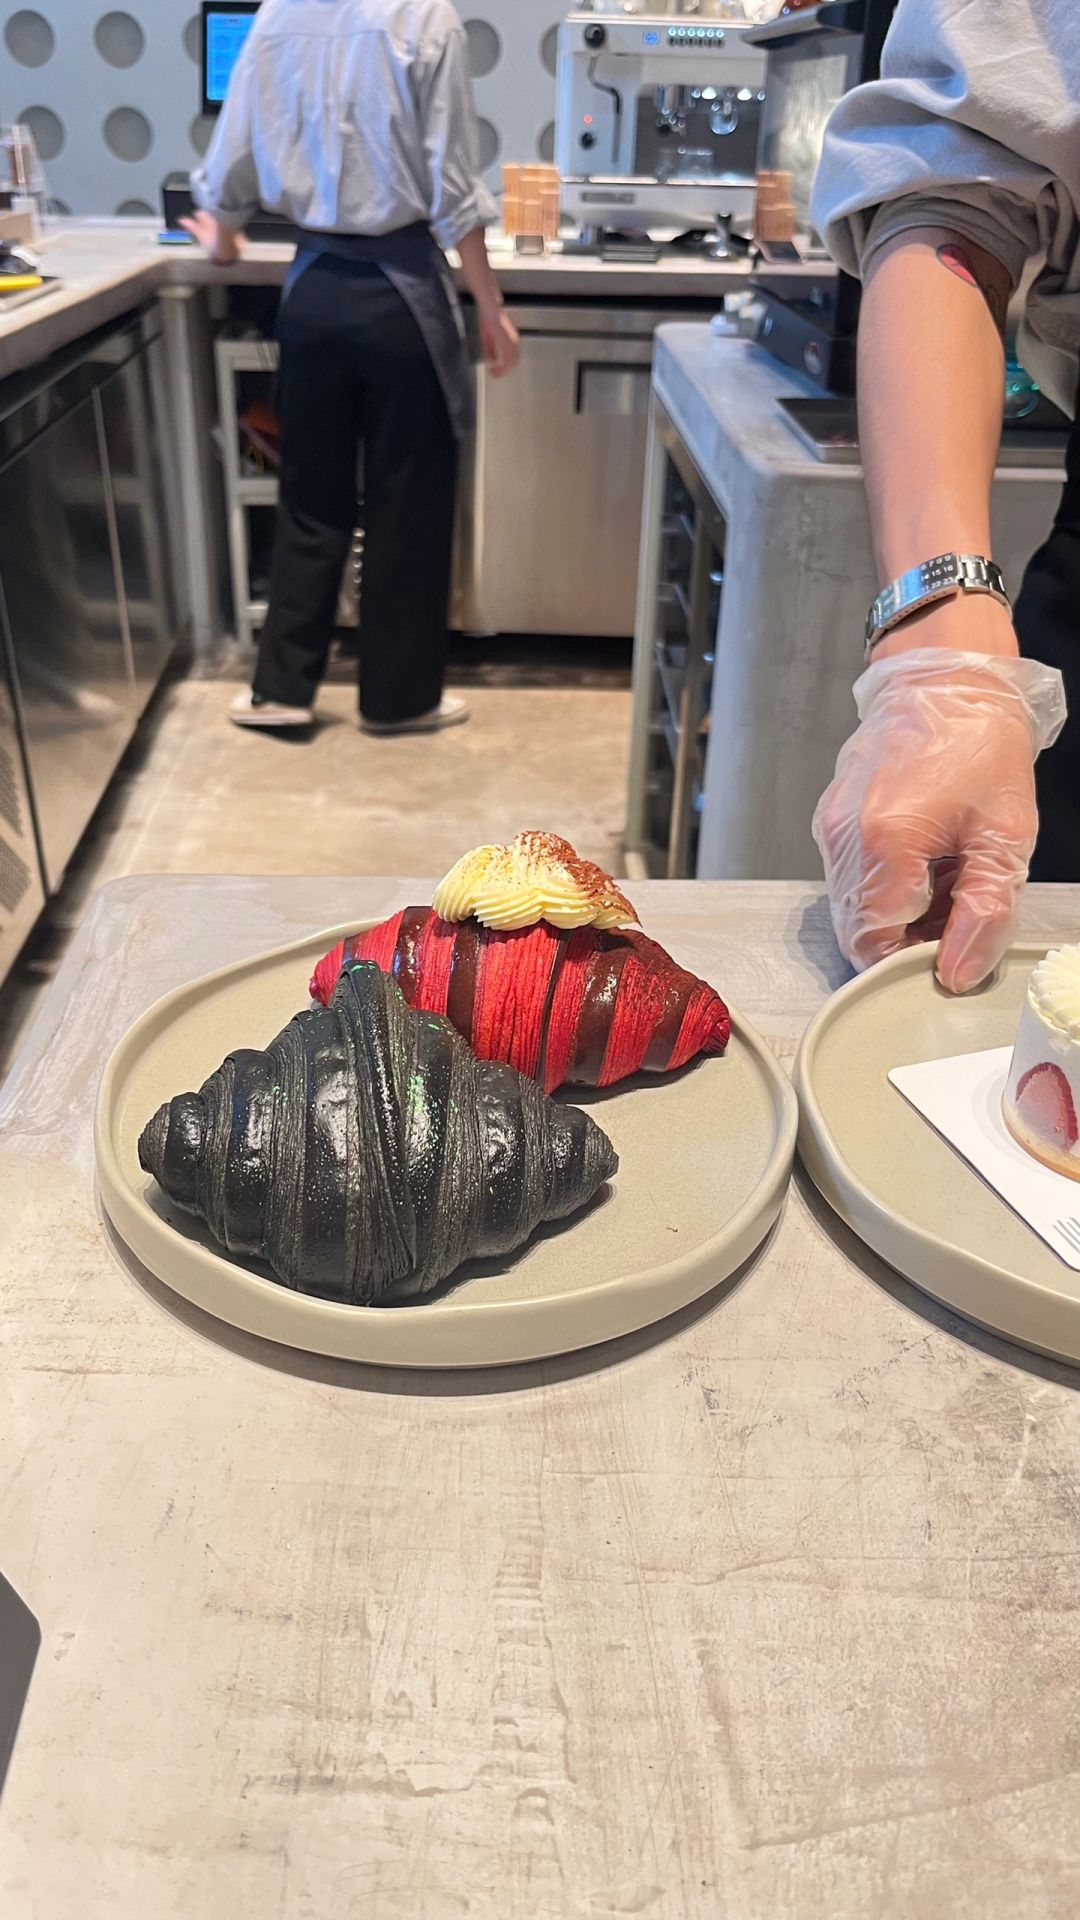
[(195, 795)]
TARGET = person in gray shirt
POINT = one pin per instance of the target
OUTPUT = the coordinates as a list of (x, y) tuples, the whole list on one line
[(354, 119), (945, 185)]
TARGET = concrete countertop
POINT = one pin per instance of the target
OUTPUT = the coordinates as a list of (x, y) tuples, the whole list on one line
[(773, 1612), (107, 266), (722, 395)]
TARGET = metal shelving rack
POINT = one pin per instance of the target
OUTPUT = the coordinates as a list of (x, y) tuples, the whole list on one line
[(242, 491), (677, 624), (245, 492)]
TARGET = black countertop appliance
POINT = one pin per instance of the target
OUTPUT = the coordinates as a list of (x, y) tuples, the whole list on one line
[(815, 55)]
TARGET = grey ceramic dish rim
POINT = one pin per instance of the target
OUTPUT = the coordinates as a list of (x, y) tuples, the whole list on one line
[(280, 1315), (994, 1297)]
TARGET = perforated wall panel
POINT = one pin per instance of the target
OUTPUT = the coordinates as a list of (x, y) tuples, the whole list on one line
[(112, 93)]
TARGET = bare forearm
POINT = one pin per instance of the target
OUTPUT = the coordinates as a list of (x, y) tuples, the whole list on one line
[(477, 271), (931, 393)]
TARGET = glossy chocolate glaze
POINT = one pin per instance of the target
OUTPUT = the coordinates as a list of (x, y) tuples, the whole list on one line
[(461, 995), (407, 952)]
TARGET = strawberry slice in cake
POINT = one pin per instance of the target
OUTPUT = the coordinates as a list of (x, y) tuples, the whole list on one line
[(1042, 1096)]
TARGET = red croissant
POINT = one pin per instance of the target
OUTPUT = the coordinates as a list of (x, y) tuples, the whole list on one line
[(582, 1006)]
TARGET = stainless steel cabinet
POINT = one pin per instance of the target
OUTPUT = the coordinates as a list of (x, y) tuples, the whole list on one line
[(134, 413), (561, 456), (22, 894), (66, 626), (87, 617), (550, 485)]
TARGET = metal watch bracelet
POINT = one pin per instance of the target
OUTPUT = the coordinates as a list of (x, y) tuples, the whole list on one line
[(938, 579)]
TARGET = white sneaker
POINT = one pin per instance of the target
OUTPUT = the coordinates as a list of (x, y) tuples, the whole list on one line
[(451, 711), (246, 711)]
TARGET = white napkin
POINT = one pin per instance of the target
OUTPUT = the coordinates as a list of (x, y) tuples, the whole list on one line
[(961, 1098)]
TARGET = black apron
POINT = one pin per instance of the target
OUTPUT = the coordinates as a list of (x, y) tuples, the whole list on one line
[(416, 266)]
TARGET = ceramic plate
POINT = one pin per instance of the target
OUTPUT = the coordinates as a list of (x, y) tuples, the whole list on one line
[(705, 1155), (902, 1188)]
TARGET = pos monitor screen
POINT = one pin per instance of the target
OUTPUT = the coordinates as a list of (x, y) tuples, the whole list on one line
[(225, 27)]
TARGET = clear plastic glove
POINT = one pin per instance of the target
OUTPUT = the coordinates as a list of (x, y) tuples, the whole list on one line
[(929, 826)]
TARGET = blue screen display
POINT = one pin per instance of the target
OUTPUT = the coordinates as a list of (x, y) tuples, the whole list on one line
[(225, 36)]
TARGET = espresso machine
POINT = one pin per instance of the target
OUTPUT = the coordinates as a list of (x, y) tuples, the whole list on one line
[(658, 118)]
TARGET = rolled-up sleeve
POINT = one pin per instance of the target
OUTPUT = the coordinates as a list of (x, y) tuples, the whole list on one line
[(227, 183), (961, 131), (458, 198)]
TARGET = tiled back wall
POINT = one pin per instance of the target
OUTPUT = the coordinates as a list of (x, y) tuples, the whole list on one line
[(112, 93)]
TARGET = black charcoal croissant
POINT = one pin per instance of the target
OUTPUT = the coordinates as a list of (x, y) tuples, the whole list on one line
[(367, 1152)]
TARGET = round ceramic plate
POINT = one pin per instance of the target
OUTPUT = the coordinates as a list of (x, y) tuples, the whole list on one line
[(706, 1157), (903, 1189)]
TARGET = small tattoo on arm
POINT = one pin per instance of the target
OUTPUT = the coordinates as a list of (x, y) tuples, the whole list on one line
[(959, 262)]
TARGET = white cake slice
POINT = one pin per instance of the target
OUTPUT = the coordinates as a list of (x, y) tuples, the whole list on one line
[(1042, 1097)]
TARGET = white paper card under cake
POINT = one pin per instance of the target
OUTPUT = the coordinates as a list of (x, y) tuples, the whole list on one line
[(961, 1098)]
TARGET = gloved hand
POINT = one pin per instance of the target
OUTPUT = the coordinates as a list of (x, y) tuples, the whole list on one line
[(930, 823)]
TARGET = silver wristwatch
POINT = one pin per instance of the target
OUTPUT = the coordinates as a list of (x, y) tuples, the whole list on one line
[(938, 579)]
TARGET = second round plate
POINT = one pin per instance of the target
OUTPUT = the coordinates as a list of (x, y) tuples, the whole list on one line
[(706, 1157), (895, 1181)]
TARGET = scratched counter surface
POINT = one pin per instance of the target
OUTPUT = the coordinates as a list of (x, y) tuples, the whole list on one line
[(772, 1612)]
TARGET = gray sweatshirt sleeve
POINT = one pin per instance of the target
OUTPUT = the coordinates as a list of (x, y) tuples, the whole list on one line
[(458, 199), (973, 125)]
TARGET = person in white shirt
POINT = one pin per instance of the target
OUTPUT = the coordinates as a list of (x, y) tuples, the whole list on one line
[(354, 119)]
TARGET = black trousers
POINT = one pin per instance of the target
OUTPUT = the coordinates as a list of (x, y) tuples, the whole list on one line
[(1048, 624), (355, 370)]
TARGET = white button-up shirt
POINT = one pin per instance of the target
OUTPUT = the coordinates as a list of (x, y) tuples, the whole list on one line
[(350, 116)]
